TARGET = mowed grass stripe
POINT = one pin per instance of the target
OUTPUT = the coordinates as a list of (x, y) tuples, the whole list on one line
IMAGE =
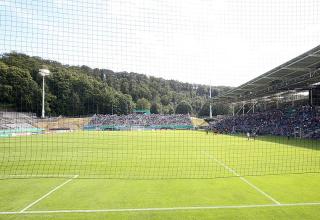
[(155, 154), (174, 157)]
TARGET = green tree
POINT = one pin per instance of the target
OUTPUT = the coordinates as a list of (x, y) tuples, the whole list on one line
[(165, 100), (156, 108), (143, 104), (74, 90), (24, 92), (183, 108), (168, 110), (220, 109), (125, 105), (217, 109), (196, 104), (6, 90)]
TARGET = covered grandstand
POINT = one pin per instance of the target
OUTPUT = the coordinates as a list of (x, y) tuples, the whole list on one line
[(299, 74), (283, 101)]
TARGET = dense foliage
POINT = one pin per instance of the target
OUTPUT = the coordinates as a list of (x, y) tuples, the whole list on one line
[(74, 90), (184, 108)]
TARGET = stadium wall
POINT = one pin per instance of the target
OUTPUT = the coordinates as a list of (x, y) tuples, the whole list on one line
[(20, 132)]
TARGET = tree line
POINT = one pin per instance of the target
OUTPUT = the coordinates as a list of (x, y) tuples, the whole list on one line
[(81, 90)]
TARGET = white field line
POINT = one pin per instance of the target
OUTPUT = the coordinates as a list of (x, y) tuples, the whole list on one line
[(35, 175), (165, 209), (47, 194), (245, 180)]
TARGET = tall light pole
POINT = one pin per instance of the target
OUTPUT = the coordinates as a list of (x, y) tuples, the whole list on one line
[(210, 104), (43, 73)]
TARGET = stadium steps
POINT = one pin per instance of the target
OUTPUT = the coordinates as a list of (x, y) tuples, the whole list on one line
[(14, 120)]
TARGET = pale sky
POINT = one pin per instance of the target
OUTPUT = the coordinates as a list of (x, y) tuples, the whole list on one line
[(195, 41)]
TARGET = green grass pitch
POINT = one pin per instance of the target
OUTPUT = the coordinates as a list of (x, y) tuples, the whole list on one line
[(158, 175)]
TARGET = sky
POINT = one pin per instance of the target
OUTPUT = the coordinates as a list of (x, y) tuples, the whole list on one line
[(196, 41)]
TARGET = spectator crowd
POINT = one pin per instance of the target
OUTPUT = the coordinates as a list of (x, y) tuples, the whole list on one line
[(141, 120), (304, 121)]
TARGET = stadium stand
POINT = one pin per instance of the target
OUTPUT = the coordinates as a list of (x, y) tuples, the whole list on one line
[(298, 74), (283, 101), (301, 121), (15, 120), (17, 124), (152, 121)]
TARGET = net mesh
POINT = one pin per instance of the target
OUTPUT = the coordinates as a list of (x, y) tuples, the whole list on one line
[(129, 87)]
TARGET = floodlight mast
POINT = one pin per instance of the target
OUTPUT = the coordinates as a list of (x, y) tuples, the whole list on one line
[(210, 104), (43, 73)]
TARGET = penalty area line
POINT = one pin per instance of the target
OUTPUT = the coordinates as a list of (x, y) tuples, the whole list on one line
[(47, 194), (245, 180), (165, 209)]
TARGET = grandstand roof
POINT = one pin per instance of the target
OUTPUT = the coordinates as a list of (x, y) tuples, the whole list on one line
[(299, 73)]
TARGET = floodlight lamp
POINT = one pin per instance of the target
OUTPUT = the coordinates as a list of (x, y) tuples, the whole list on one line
[(44, 72)]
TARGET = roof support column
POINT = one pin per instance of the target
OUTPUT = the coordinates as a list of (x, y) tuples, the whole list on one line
[(293, 99), (253, 104), (243, 105), (232, 109)]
